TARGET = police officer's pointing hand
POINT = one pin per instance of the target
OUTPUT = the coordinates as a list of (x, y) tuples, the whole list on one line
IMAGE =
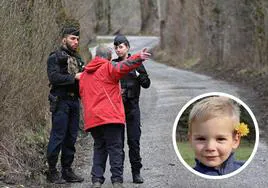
[(145, 55)]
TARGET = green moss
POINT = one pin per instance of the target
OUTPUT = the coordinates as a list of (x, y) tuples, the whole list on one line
[(260, 29), (189, 63), (259, 12), (245, 71), (35, 138)]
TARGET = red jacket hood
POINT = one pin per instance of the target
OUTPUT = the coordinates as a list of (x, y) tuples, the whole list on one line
[(100, 91), (95, 63)]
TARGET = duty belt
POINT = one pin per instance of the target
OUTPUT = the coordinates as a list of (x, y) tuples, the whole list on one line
[(69, 96)]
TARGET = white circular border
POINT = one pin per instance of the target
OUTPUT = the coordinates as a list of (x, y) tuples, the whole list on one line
[(175, 142)]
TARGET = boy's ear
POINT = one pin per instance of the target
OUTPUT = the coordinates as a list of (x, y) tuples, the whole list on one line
[(236, 140)]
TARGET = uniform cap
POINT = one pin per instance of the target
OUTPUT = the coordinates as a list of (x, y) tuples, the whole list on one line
[(70, 31), (119, 39)]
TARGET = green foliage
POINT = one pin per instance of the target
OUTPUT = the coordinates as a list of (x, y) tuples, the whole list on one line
[(35, 138), (189, 63), (246, 118), (259, 11), (186, 152)]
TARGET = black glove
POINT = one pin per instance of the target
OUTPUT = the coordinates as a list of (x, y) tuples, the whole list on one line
[(144, 80)]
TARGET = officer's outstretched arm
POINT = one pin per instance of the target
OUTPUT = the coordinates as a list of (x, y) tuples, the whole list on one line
[(120, 69)]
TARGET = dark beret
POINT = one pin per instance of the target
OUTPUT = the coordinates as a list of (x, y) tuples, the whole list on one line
[(70, 31), (119, 39)]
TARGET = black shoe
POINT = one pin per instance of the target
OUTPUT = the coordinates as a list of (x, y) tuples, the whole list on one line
[(53, 176), (137, 178), (118, 185), (96, 185), (70, 176)]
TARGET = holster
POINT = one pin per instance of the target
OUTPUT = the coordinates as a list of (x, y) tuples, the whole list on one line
[(53, 102)]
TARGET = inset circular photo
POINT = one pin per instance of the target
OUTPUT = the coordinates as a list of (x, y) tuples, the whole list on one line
[(215, 135)]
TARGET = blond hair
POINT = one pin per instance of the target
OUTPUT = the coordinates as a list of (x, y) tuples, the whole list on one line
[(212, 107)]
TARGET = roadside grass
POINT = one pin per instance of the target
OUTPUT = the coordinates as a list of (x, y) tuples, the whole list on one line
[(242, 153)]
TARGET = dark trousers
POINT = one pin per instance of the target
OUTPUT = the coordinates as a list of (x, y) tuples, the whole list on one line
[(63, 135), (108, 142), (133, 126)]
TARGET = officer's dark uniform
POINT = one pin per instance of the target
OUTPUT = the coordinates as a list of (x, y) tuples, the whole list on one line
[(64, 105), (131, 85)]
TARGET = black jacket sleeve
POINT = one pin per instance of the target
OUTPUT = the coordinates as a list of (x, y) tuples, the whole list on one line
[(143, 78), (56, 75)]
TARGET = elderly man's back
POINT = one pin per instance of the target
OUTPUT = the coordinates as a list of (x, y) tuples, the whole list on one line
[(104, 113)]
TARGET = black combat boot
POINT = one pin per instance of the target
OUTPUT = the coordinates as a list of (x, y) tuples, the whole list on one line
[(137, 178), (53, 176), (70, 176)]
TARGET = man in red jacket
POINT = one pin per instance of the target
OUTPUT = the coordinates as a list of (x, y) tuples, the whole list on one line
[(104, 114)]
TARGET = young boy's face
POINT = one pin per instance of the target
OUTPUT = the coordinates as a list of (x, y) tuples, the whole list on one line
[(213, 140)]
